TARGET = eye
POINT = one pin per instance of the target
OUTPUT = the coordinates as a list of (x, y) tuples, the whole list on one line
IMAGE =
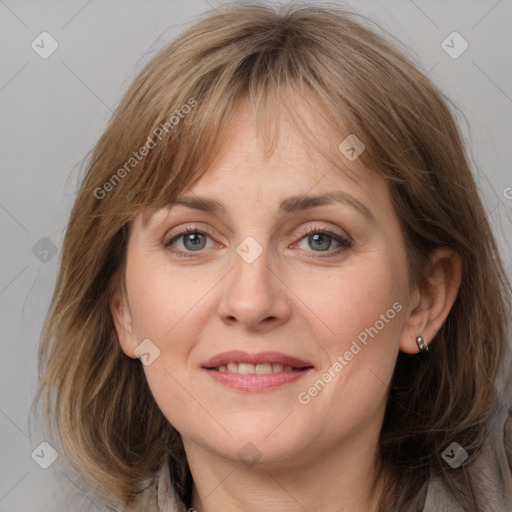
[(321, 240), (194, 240)]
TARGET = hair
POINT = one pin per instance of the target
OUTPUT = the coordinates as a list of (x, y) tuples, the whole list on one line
[(355, 81)]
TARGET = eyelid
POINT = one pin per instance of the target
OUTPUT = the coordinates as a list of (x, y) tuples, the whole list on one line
[(345, 240), (309, 229), (318, 228), (176, 233)]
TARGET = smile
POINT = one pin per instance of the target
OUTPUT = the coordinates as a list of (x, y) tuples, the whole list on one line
[(259, 369)]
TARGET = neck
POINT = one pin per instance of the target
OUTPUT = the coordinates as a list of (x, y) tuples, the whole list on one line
[(337, 480)]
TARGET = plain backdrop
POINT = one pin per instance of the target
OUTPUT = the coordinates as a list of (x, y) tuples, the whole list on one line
[(54, 109)]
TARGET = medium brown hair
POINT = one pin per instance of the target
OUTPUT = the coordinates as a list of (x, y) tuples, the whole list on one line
[(355, 81)]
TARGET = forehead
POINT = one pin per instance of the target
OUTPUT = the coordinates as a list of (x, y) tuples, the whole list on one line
[(298, 154), (304, 158)]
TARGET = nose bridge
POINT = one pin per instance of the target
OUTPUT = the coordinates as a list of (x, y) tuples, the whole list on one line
[(253, 293)]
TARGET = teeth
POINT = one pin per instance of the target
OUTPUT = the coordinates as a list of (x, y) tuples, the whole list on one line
[(245, 369), (248, 368), (263, 368)]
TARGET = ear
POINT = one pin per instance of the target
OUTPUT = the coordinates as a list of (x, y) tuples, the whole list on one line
[(432, 299), (123, 322)]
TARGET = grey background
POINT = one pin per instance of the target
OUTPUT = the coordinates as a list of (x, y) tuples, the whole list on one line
[(54, 110)]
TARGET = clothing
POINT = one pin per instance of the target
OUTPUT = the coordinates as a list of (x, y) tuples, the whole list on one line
[(490, 473)]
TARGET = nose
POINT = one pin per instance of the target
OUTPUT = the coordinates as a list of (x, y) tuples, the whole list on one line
[(255, 296)]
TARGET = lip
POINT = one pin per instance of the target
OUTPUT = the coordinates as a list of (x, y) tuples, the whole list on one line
[(256, 382), (239, 356)]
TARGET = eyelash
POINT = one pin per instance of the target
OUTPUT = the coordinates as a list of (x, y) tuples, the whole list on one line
[(345, 243)]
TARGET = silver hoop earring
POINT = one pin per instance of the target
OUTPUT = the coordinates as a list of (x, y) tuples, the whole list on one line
[(421, 344)]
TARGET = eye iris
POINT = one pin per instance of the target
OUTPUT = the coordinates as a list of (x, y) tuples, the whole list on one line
[(322, 238), (192, 241), (195, 240)]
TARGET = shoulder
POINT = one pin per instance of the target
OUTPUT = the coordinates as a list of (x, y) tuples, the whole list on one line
[(491, 473)]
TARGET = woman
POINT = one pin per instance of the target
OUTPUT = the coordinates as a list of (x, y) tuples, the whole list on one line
[(279, 288)]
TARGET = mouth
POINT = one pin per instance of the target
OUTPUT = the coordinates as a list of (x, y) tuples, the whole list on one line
[(257, 369), (255, 372), (237, 361)]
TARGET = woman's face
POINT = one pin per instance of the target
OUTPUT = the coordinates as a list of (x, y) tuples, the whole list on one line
[(270, 270)]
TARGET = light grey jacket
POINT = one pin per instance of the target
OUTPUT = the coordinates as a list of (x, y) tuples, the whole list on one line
[(491, 472)]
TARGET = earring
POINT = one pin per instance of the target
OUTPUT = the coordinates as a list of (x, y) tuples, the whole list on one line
[(421, 344)]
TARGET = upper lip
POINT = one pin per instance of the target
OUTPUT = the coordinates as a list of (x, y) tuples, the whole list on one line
[(239, 356)]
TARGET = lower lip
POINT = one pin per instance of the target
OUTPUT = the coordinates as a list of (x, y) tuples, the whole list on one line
[(256, 381)]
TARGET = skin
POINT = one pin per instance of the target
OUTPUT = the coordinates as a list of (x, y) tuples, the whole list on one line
[(286, 300)]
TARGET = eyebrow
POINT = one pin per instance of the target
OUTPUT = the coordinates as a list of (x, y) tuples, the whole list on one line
[(289, 205)]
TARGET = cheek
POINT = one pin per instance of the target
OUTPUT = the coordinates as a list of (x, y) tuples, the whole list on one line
[(162, 301), (345, 302), (170, 309), (166, 309), (356, 315)]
